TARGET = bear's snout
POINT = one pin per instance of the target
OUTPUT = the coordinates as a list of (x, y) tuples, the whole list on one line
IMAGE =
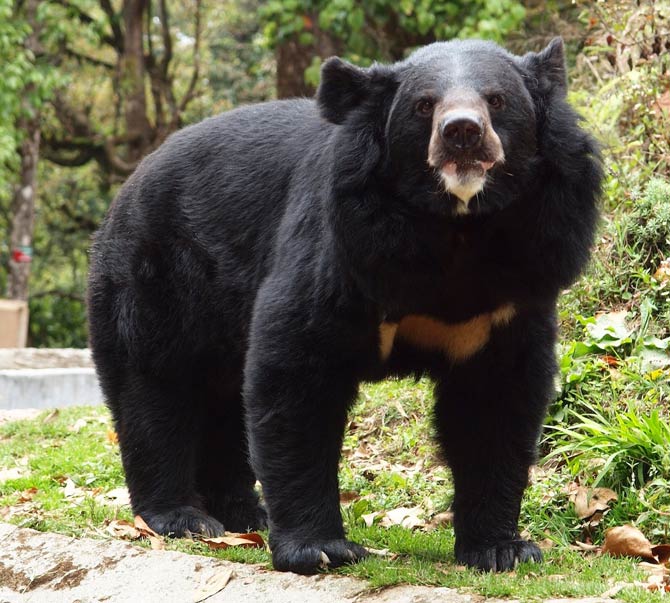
[(464, 146), (462, 130)]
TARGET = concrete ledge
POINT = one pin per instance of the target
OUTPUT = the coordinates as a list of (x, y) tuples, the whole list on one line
[(17, 358), (48, 388), (38, 567)]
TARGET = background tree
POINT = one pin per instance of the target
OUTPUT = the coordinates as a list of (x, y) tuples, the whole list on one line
[(305, 31), (125, 51), (25, 83)]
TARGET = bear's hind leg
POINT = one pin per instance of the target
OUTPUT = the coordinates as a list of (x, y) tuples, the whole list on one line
[(158, 434), (224, 477)]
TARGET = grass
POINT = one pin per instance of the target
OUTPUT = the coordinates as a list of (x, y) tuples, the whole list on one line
[(389, 462)]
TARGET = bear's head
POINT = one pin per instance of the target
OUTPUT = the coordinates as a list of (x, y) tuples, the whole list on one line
[(455, 128)]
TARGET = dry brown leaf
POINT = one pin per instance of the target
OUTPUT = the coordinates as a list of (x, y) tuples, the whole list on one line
[(156, 540), (628, 541), (661, 552), (117, 496), (120, 528), (662, 104), (590, 503), (585, 547), (347, 496), (52, 416), (546, 543), (369, 518), (112, 436), (248, 540), (663, 272), (27, 495), (71, 490), (214, 584), (142, 526), (403, 516), (79, 424), (379, 552), (441, 519)]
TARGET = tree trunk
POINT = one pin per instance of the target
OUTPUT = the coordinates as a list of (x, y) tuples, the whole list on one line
[(132, 66), (22, 214), (294, 58)]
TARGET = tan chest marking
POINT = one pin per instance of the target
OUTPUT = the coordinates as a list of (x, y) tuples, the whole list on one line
[(459, 341)]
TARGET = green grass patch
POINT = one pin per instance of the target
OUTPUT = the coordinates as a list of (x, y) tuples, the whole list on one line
[(64, 464)]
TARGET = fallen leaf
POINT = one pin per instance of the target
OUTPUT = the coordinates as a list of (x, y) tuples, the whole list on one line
[(112, 436), (214, 584), (71, 490), (378, 552), (369, 518), (347, 496), (662, 104), (52, 416), (585, 547), (120, 528), (248, 540), (590, 502), (611, 360), (615, 590), (403, 516), (155, 539), (441, 519), (661, 552), (117, 496), (546, 543), (27, 495), (79, 424), (628, 541)]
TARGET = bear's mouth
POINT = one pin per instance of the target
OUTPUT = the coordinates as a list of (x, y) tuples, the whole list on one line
[(464, 179), (470, 168)]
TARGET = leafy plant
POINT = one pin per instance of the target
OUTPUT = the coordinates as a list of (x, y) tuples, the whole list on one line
[(630, 448), (647, 226)]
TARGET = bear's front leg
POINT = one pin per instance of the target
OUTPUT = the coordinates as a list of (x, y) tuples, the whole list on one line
[(489, 415), (300, 379)]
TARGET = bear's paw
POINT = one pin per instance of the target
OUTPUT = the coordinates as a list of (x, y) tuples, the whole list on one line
[(502, 556), (185, 521), (315, 555)]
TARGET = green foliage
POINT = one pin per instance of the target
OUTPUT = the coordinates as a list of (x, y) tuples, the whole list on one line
[(647, 226), (15, 65), (622, 74), (631, 446), (241, 69), (385, 29)]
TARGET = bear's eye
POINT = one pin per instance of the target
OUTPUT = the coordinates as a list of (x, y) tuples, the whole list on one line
[(425, 106), (495, 101)]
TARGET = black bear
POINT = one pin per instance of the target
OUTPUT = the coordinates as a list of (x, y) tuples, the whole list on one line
[(415, 218)]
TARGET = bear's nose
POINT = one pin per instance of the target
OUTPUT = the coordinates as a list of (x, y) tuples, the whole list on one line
[(462, 132)]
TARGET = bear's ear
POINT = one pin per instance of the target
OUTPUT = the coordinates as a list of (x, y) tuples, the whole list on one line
[(548, 68), (344, 87)]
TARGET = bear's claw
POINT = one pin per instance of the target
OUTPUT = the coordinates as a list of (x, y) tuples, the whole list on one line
[(182, 522), (310, 557), (500, 557)]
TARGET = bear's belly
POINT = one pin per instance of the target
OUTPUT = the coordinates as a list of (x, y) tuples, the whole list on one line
[(458, 341)]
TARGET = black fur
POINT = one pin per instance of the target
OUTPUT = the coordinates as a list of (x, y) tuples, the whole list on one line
[(243, 271)]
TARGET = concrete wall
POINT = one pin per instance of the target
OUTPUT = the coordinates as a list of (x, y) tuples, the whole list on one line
[(47, 379)]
